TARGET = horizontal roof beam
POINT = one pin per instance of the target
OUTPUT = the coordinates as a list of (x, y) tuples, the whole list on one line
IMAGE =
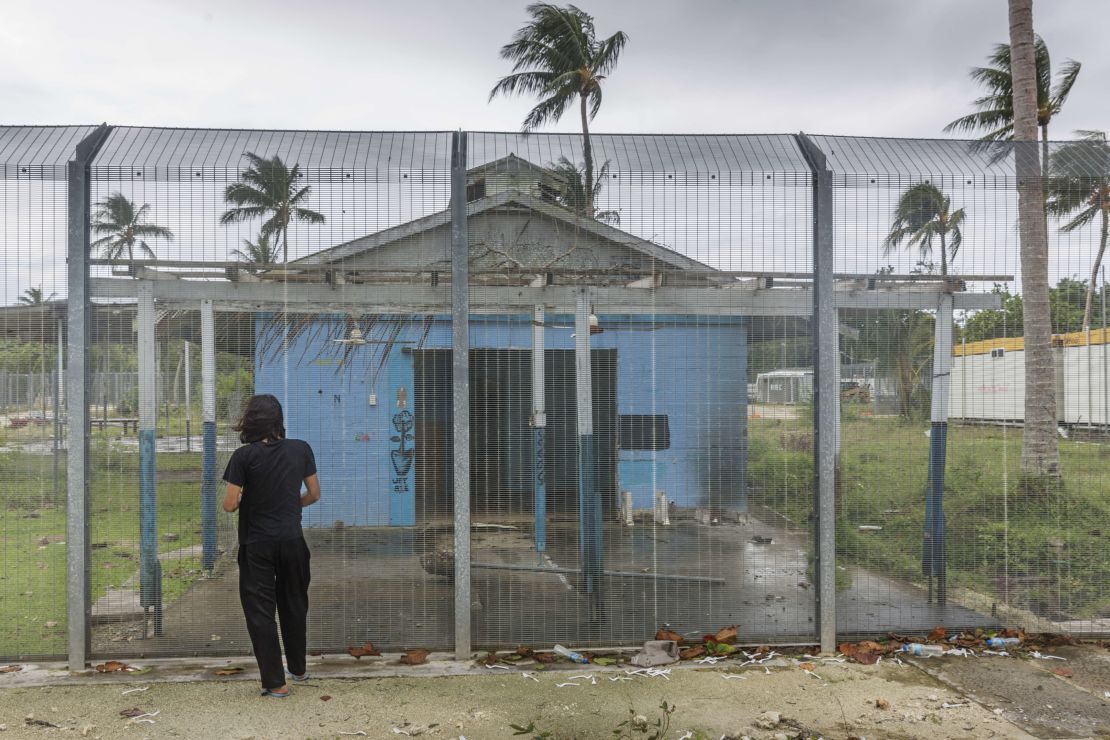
[(484, 299)]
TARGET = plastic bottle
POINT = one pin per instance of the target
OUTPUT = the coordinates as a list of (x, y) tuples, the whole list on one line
[(924, 651), (997, 642), (570, 654)]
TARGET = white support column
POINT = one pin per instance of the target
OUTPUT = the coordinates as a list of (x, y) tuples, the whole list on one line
[(539, 430)]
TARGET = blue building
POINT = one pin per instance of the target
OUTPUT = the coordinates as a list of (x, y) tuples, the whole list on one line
[(372, 394)]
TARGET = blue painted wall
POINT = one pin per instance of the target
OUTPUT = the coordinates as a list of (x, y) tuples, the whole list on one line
[(692, 369)]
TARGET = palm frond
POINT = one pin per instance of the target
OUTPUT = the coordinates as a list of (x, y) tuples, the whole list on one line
[(548, 110), (1065, 83)]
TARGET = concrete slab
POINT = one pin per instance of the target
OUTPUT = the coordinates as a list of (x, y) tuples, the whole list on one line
[(369, 584), (1027, 693)]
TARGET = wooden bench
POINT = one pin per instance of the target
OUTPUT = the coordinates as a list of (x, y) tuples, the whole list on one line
[(102, 423)]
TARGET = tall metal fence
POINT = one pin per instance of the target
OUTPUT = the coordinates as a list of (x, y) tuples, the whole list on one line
[(555, 394)]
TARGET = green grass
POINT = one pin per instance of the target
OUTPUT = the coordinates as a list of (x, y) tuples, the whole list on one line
[(1050, 543), (32, 534)]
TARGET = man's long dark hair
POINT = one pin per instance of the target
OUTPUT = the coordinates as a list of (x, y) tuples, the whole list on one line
[(262, 419)]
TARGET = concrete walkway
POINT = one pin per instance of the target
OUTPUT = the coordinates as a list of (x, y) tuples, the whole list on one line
[(1016, 698)]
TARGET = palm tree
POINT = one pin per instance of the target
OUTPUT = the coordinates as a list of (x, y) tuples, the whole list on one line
[(922, 215), (575, 196), (995, 114), (1080, 189), (124, 227), (268, 189), (260, 252), (558, 57), (34, 297), (1040, 452)]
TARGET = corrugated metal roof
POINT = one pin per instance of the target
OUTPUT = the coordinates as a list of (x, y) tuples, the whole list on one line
[(649, 153), (916, 157), (976, 161), (38, 151), (169, 149)]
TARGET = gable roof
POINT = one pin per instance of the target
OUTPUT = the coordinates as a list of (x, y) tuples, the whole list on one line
[(502, 199)]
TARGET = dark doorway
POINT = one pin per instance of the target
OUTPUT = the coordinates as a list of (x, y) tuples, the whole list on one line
[(501, 469)]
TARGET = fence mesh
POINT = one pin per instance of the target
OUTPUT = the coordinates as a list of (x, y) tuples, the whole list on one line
[(641, 385)]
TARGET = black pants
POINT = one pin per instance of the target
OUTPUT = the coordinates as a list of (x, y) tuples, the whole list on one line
[(275, 574)]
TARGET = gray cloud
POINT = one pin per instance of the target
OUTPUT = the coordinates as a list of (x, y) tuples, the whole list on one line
[(858, 67)]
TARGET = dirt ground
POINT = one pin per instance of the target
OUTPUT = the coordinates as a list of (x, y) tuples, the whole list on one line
[(834, 700)]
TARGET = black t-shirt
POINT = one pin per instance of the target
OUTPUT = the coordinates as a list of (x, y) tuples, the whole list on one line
[(270, 474)]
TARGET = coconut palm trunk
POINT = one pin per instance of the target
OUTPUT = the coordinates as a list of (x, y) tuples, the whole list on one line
[(1103, 234), (1040, 455), (587, 155)]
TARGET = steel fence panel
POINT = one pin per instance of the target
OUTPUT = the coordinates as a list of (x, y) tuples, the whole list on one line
[(612, 438), (643, 384), (326, 329), (33, 194), (937, 519)]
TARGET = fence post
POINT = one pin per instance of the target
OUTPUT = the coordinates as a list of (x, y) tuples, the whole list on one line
[(79, 210), (208, 434), (150, 571), (460, 391), (826, 394)]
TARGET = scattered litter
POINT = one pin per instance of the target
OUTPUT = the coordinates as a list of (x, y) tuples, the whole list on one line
[(146, 718), (838, 660), (657, 652), (709, 659), (139, 690), (231, 670), (954, 705), (689, 734), (399, 731), (564, 685), (733, 676), (870, 528), (620, 678), (1041, 656), (367, 648), (415, 656), (1000, 653), (1063, 672), (571, 655), (767, 670), (114, 666), (1106, 694), (529, 674), (811, 673), (498, 665), (583, 676), (10, 668)]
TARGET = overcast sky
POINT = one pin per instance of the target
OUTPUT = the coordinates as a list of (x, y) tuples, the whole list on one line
[(868, 67)]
